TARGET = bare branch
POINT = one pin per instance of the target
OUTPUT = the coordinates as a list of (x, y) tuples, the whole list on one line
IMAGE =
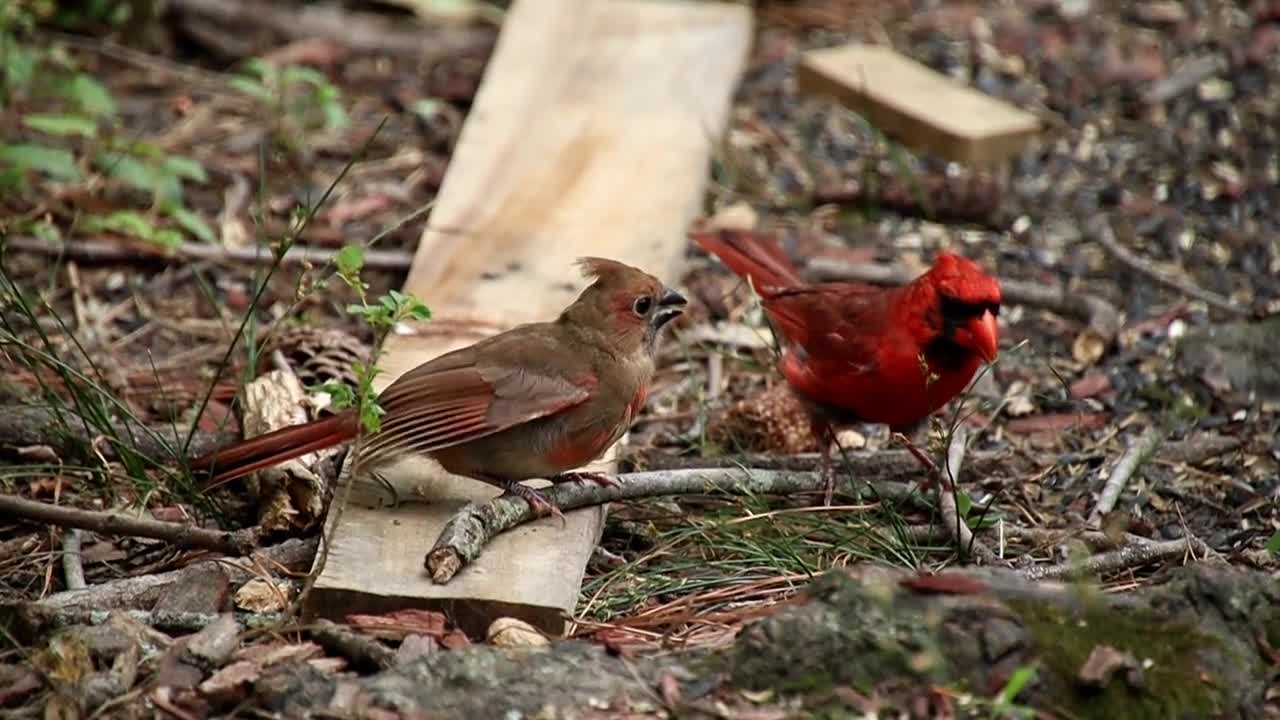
[(238, 542)]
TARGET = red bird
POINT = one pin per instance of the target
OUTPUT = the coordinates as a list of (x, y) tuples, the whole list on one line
[(536, 401), (861, 353)]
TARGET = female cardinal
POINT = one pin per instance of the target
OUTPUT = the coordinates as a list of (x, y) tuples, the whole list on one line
[(860, 353), (535, 401)]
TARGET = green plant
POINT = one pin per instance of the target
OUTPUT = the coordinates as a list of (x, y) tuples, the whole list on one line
[(76, 133), (299, 101)]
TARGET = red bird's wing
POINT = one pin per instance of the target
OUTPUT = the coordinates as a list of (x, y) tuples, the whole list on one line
[(833, 321), (473, 392)]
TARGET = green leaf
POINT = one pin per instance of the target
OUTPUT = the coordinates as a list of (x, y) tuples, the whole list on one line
[(1273, 545), (125, 222), (350, 260), (45, 230), (303, 74), (1018, 681), (167, 237), (964, 504), (54, 162), (127, 169), (252, 88), (185, 167), (91, 95), (61, 125), (192, 223), (341, 396)]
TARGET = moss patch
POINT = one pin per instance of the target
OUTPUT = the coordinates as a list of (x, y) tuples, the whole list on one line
[(1183, 677)]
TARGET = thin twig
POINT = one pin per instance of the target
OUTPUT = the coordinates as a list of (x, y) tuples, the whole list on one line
[(1100, 229), (127, 251), (72, 565), (361, 650), (1192, 73), (877, 464), (955, 526), (467, 532), (237, 542), (1137, 453), (1135, 553), (1100, 315)]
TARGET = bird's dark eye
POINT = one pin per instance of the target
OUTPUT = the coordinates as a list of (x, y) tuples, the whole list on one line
[(643, 304)]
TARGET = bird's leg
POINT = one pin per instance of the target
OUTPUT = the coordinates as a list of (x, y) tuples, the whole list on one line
[(822, 429), (599, 478), (931, 468)]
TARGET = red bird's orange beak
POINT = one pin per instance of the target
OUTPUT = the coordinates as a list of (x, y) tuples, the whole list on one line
[(984, 337)]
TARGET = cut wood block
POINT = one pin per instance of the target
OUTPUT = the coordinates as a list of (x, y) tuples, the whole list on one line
[(591, 135), (917, 106)]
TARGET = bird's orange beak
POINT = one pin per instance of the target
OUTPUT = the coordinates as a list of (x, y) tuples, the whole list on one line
[(981, 336)]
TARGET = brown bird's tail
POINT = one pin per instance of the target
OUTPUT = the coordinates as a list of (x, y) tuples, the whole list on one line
[(274, 447), (753, 256)]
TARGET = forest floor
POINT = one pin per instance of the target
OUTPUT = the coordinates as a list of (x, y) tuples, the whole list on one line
[(158, 167)]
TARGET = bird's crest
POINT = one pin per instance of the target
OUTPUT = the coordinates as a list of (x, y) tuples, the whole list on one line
[(960, 278)]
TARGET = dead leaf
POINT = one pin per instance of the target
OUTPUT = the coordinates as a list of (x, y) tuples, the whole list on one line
[(1088, 347), (512, 632), (1104, 662), (944, 584), (1096, 382), (1056, 422), (455, 640), (263, 595), (231, 683), (38, 453), (267, 655)]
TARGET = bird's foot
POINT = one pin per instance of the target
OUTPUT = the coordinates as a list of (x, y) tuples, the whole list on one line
[(538, 503), (599, 478)]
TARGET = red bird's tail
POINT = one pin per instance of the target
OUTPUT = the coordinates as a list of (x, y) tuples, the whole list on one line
[(275, 447), (752, 256)]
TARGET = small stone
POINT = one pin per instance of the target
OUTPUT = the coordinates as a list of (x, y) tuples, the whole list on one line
[(414, 647)]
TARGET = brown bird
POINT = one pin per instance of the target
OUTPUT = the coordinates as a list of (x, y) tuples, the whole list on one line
[(536, 401), (861, 353)]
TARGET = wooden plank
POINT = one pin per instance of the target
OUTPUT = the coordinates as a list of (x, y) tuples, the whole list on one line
[(591, 135), (917, 106)]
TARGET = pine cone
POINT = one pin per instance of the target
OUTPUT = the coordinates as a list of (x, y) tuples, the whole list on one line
[(318, 356), (772, 420)]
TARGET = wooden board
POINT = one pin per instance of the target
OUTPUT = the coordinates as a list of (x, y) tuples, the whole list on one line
[(591, 135), (917, 106)]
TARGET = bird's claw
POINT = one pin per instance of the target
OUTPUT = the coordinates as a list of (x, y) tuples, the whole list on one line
[(539, 505), (599, 478)]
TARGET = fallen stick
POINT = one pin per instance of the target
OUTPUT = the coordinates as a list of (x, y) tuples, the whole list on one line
[(362, 31), (130, 252), (1135, 553), (72, 565), (1134, 456), (955, 526), (362, 650), (1100, 230), (22, 426), (236, 542), (41, 616), (140, 592), (473, 526), (872, 464), (1100, 315)]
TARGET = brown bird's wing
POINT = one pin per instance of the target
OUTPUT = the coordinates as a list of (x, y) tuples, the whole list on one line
[(476, 391), (834, 321)]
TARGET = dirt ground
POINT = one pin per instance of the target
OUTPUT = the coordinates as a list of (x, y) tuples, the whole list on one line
[(1161, 124)]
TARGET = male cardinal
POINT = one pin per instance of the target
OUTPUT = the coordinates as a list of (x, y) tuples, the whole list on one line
[(535, 401), (861, 353)]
